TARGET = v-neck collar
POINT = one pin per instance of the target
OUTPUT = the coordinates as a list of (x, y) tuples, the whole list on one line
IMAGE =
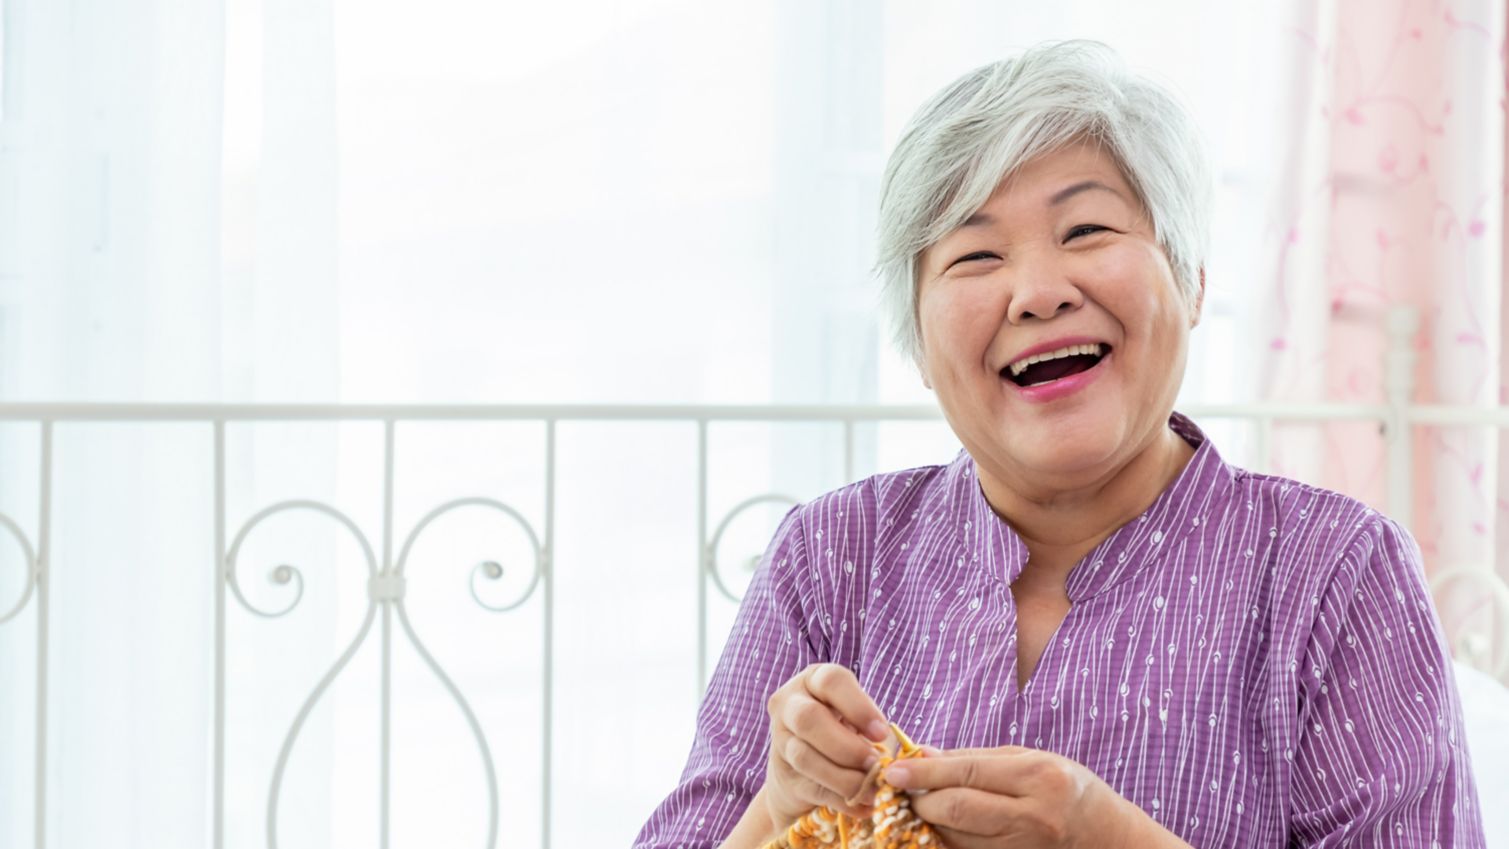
[(1178, 510)]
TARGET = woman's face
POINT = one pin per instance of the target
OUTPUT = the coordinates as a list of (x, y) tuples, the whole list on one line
[(1061, 258)]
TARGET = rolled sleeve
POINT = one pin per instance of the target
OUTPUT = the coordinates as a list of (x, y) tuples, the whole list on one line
[(1381, 759), (773, 638)]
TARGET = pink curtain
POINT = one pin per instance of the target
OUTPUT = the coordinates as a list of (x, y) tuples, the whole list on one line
[(1393, 193)]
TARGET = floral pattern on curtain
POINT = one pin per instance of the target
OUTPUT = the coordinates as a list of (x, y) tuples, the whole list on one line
[(1392, 195)]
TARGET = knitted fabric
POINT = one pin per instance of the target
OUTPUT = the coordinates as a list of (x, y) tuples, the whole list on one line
[(892, 825)]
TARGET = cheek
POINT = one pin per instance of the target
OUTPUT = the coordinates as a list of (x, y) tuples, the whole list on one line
[(1142, 294), (954, 316)]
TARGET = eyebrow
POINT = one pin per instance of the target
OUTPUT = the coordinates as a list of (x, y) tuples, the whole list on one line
[(1087, 185), (983, 218)]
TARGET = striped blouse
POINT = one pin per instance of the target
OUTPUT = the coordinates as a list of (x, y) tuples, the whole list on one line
[(1252, 661)]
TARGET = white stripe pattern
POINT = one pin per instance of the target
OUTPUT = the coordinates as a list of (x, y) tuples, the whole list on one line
[(1253, 661)]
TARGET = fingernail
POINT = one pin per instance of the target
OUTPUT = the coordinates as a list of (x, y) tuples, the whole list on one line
[(898, 775), (877, 730), (871, 761), (931, 752)]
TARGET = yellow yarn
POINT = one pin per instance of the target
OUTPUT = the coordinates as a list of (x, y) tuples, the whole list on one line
[(892, 825)]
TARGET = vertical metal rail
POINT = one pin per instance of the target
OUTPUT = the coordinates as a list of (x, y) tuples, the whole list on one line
[(702, 559), (1399, 378), (848, 451), (44, 568), (1264, 445), (387, 632), (548, 567), (219, 753)]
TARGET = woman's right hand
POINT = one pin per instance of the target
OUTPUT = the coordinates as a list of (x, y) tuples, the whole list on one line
[(817, 755)]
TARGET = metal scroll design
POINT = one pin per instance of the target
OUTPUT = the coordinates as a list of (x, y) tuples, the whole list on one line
[(1488, 652), (710, 557), (386, 586), (32, 568)]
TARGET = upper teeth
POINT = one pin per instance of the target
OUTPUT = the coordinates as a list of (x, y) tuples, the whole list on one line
[(1073, 350)]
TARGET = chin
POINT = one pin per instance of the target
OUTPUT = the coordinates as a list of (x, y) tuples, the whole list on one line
[(1077, 451), (1071, 461)]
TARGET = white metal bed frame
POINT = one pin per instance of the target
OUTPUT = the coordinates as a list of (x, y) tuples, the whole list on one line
[(386, 581)]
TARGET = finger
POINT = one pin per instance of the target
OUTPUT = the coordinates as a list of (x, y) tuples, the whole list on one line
[(813, 793), (1001, 774), (836, 686), (813, 721), (805, 760), (968, 810)]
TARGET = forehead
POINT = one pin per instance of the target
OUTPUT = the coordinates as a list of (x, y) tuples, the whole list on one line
[(1045, 184), (1081, 168)]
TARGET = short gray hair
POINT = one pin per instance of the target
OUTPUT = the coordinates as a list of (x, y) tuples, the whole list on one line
[(994, 119)]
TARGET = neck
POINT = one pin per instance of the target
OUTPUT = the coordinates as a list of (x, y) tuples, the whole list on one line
[(1061, 525)]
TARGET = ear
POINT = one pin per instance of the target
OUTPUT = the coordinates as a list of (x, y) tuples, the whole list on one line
[(921, 365), (1199, 304)]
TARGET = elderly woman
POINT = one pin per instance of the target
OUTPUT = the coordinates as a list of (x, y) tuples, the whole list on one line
[(1110, 636)]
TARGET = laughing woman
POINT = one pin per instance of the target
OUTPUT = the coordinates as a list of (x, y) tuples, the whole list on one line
[(1113, 637)]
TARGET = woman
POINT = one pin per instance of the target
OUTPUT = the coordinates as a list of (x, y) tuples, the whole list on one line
[(1113, 637)]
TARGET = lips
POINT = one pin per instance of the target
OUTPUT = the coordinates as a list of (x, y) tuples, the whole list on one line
[(1054, 360), (1048, 371), (1057, 378)]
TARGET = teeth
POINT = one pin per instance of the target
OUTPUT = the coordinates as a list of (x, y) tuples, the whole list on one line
[(1073, 350)]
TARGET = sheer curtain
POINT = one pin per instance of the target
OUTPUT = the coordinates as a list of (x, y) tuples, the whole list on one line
[(1390, 193), (109, 188), (330, 200)]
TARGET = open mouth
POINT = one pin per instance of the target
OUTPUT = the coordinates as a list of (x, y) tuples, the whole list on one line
[(1055, 365)]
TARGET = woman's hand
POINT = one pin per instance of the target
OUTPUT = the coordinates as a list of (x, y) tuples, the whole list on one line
[(1022, 798), (817, 757)]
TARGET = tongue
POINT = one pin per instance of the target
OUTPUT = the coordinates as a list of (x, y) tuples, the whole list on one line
[(1055, 369)]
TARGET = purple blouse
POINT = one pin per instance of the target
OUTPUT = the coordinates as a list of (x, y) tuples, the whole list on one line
[(1253, 661)]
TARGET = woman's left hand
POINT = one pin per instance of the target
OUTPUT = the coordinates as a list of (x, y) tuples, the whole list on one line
[(1022, 798)]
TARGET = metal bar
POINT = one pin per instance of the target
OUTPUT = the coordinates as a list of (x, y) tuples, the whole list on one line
[(73, 412), (387, 634), (1440, 414), (44, 569), (219, 763), (387, 662), (1399, 380), (1264, 458), (32, 411), (1460, 414), (1398, 436), (38, 411), (548, 568), (1288, 412), (702, 559), (848, 451)]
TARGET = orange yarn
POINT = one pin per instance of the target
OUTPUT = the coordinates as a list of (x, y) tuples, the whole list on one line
[(893, 825)]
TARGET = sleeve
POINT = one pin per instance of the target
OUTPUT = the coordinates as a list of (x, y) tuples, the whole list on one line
[(774, 636), (1381, 759)]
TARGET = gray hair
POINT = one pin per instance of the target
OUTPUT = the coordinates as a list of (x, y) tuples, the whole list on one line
[(994, 119)]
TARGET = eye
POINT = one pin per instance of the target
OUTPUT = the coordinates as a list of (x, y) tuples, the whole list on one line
[(1084, 230), (977, 255)]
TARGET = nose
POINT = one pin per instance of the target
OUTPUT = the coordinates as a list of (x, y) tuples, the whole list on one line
[(1042, 295)]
